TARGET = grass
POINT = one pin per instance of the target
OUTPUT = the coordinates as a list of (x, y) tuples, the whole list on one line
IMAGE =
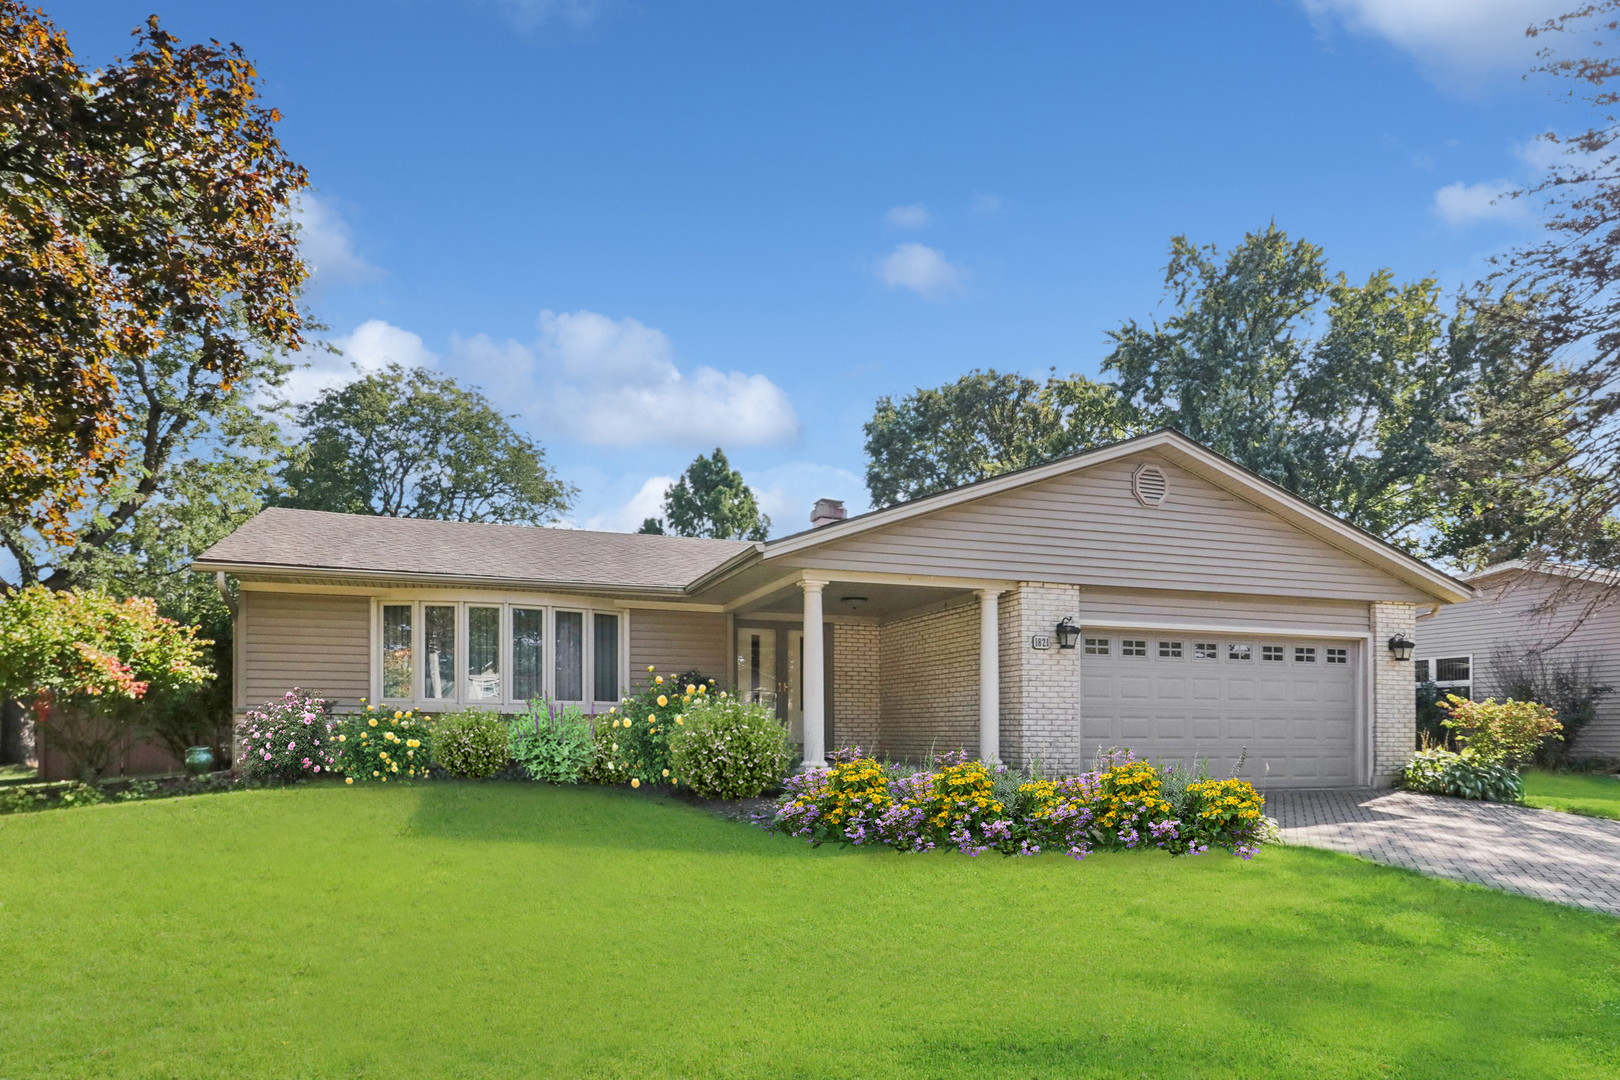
[(1594, 795), (514, 930)]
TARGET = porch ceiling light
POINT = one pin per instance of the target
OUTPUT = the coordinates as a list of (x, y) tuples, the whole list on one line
[(1067, 633), (854, 602), (1401, 646)]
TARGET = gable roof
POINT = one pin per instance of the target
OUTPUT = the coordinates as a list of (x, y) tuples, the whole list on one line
[(1248, 485), (1552, 569), (279, 540)]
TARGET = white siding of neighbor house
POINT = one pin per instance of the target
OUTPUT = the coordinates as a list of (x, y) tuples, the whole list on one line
[(1170, 609), (676, 642), (317, 642), (1087, 528), (1504, 612)]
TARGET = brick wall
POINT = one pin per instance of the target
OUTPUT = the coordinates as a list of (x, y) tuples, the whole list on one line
[(856, 674), (1040, 689), (1394, 691), (929, 683)]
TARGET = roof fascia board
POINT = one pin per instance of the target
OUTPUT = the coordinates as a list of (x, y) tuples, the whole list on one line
[(593, 587), (732, 566)]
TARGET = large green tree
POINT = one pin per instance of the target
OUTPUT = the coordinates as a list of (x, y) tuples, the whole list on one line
[(711, 499), (140, 203), (1347, 393), (985, 423), (402, 442)]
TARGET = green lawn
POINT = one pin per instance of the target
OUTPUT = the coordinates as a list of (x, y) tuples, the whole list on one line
[(516, 930), (1575, 793)]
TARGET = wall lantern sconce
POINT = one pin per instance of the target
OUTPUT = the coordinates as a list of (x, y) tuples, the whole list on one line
[(1067, 633), (1401, 646)]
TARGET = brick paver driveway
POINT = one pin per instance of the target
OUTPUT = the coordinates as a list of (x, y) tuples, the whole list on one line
[(1561, 857)]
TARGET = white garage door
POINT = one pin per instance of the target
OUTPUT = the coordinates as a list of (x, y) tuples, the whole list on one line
[(1286, 706)]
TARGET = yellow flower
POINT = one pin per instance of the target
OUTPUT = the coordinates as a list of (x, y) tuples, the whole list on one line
[(649, 667), (374, 772), (651, 717), (722, 693), (660, 680), (691, 689), (662, 701), (666, 772), (343, 738), (680, 721), (372, 721), (634, 782), (413, 743), (613, 710), (348, 779), (615, 748), (398, 714)]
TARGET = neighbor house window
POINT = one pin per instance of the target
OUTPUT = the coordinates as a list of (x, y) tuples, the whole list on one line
[(1337, 656), (1271, 654), (1206, 650), (528, 653), (396, 651), (1304, 654), (1169, 650), (1240, 652), (438, 652), (1133, 647), (1454, 675), (483, 654), (569, 649), (605, 657), (1096, 646)]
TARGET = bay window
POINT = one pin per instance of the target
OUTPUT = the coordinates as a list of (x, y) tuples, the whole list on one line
[(396, 651), (528, 653), (605, 654), (438, 652), (569, 648), (483, 654)]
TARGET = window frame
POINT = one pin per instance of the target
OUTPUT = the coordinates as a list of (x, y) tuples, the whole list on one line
[(1127, 645), (1448, 686), (588, 608)]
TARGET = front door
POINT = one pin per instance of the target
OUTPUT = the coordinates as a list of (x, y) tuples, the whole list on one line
[(756, 665), (795, 685)]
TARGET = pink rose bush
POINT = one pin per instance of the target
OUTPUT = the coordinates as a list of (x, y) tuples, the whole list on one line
[(291, 738)]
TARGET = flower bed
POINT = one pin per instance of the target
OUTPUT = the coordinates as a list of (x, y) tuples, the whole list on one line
[(964, 804)]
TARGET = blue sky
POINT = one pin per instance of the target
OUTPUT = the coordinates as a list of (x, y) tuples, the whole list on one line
[(649, 228)]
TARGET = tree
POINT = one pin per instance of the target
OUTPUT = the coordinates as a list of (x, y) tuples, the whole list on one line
[(141, 203), (1557, 496), (983, 424), (1345, 394), (403, 443), (711, 499), (78, 657)]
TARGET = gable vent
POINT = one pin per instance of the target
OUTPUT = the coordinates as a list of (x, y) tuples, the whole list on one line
[(1150, 485)]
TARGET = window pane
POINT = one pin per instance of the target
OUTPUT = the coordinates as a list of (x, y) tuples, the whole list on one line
[(1421, 668), (528, 653), (606, 657), (1304, 654), (396, 651), (1096, 646), (570, 656), (483, 653), (1240, 652), (1205, 650), (1272, 653), (1170, 650), (1451, 669), (1133, 647), (1338, 656), (439, 647)]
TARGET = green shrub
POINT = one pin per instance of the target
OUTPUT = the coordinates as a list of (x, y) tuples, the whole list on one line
[(725, 749), (81, 794), (17, 800), (1501, 732), (551, 745), (383, 744), (1438, 771), (470, 744), (633, 745)]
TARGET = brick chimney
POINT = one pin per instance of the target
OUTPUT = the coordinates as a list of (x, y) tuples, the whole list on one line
[(826, 512)]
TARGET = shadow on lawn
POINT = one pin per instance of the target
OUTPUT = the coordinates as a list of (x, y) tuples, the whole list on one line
[(585, 816)]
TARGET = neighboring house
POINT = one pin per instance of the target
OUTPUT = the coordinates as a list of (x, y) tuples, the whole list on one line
[(1561, 612), (1218, 617)]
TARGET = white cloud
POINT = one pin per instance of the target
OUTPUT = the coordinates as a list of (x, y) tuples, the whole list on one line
[(648, 501), (326, 244), (1454, 34), (985, 205), (615, 382), (1464, 204), (372, 345), (914, 216), (921, 269)]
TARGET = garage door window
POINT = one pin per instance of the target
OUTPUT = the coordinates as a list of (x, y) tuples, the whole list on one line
[(1133, 647), (1304, 654), (1206, 650), (1096, 646), (1240, 652), (1272, 654), (1169, 650), (1338, 656)]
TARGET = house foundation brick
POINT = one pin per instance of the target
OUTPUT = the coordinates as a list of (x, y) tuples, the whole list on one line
[(1394, 696)]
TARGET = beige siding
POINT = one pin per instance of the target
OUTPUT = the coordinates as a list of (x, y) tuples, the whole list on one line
[(678, 641), (1099, 606), (1088, 529), (930, 683), (318, 642), (1505, 613)]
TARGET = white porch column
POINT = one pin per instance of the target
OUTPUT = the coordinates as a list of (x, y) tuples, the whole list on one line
[(815, 678), (989, 677)]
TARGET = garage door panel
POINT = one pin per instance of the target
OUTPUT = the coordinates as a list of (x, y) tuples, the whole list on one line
[(1291, 721)]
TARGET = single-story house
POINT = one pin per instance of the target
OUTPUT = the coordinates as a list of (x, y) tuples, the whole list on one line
[(1148, 594), (1559, 612)]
